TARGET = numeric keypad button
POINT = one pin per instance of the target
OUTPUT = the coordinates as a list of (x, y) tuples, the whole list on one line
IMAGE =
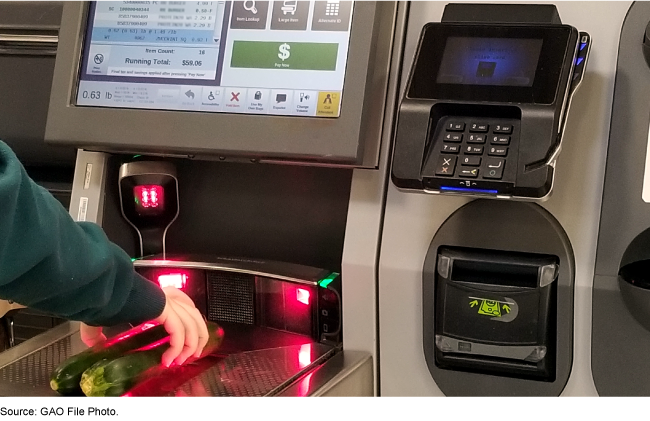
[(471, 160), (502, 129), (476, 138), (453, 137), (479, 127), (455, 126), (473, 150), (447, 148), (500, 140), (498, 151)]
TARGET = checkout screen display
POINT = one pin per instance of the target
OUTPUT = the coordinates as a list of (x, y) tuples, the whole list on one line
[(489, 61), (250, 57)]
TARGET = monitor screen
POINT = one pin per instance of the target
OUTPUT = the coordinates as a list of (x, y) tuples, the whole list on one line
[(490, 61), (250, 57)]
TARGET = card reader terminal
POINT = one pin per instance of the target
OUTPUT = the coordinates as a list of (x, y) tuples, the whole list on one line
[(485, 107)]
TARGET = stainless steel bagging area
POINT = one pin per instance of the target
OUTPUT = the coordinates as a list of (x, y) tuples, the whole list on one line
[(264, 364)]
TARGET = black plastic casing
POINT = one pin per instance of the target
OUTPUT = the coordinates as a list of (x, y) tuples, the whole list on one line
[(540, 124)]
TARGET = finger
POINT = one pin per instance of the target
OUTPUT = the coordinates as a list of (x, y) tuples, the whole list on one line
[(91, 335), (173, 326), (204, 334), (202, 329), (181, 299), (191, 333)]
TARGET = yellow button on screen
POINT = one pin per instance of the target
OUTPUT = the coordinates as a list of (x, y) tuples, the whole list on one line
[(328, 104)]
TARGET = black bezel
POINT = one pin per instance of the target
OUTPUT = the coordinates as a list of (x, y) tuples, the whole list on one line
[(555, 39)]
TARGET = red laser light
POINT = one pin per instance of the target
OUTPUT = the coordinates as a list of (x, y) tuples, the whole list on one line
[(304, 355), (302, 295), (150, 197), (177, 280), (131, 332)]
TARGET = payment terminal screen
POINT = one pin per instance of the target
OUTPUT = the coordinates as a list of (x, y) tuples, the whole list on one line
[(490, 61), (250, 57)]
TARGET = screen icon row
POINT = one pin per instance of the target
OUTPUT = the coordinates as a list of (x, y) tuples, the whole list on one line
[(290, 15), (271, 101), (290, 102)]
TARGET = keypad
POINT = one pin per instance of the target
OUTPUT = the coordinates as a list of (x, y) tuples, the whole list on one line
[(472, 148)]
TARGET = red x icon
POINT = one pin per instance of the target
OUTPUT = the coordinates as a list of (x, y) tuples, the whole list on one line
[(235, 96)]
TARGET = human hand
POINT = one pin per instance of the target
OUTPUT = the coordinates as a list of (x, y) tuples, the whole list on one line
[(188, 332), (91, 335)]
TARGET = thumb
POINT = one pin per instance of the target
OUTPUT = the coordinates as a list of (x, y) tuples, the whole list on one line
[(91, 335)]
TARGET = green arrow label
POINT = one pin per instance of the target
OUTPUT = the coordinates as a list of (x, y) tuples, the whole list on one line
[(490, 308)]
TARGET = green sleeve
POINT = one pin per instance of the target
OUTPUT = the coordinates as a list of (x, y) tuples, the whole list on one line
[(69, 269)]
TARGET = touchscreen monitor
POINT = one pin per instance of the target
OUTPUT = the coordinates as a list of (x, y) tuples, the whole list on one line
[(250, 57)]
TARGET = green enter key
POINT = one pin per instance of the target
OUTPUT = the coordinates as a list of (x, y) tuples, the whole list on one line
[(284, 55)]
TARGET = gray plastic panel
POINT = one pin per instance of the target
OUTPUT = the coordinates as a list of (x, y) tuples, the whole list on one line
[(624, 213), (26, 83), (29, 14), (527, 228), (619, 342)]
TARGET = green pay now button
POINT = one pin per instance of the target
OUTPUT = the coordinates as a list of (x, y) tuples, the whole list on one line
[(284, 55)]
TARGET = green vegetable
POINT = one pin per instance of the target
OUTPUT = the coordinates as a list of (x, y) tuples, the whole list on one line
[(114, 377), (65, 378)]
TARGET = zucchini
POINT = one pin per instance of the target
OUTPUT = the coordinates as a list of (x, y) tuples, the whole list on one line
[(114, 377), (65, 378)]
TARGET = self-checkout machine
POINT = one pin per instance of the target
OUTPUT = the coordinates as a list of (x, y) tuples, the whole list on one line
[(620, 335), (233, 149), (477, 280)]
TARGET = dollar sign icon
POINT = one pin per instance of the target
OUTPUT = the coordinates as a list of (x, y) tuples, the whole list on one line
[(284, 51)]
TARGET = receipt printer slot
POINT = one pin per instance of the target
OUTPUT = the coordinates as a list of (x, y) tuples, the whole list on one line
[(494, 312)]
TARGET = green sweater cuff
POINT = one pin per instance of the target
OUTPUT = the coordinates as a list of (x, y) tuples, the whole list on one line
[(144, 303), (69, 269)]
